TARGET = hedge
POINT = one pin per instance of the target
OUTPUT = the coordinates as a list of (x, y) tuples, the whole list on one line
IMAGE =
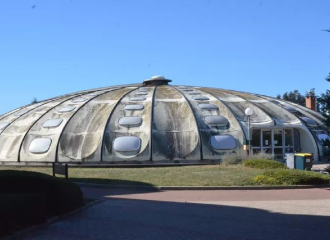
[(60, 195), (263, 164), (290, 177), (19, 211)]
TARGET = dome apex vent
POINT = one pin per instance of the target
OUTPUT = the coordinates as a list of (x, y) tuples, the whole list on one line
[(156, 80)]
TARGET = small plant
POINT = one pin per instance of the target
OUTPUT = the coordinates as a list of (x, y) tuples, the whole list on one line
[(231, 158), (262, 155), (263, 164), (234, 158), (290, 177)]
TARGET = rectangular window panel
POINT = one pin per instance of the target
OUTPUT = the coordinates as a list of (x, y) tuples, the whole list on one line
[(267, 138), (256, 137), (278, 138), (288, 137)]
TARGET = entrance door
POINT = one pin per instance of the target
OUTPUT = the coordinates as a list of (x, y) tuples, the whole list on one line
[(274, 141)]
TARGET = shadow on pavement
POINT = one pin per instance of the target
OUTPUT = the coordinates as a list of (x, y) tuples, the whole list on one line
[(142, 219), (117, 187)]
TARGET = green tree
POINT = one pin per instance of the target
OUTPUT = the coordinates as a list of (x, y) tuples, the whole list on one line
[(324, 103), (324, 100), (293, 96)]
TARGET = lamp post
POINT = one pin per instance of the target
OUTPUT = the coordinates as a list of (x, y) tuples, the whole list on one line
[(248, 113)]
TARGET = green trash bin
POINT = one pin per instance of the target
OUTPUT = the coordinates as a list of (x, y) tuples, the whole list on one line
[(303, 161)]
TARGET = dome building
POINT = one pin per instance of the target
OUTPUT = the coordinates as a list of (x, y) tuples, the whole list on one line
[(155, 122)]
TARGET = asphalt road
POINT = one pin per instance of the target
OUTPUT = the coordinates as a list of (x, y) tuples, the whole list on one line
[(223, 214)]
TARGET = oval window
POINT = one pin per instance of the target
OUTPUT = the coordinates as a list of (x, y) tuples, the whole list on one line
[(40, 145), (130, 121), (133, 107), (208, 106), (223, 142), (216, 121), (129, 144)]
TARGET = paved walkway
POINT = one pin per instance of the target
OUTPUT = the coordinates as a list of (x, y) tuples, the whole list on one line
[(222, 214)]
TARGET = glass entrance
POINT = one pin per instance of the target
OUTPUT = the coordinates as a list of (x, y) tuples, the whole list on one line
[(274, 141)]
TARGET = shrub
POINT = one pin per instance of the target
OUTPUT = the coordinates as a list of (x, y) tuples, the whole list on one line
[(240, 156), (61, 196), (21, 210), (290, 177), (263, 164), (233, 158), (262, 155)]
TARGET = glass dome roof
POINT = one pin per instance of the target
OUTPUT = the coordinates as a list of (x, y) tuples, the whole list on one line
[(151, 122)]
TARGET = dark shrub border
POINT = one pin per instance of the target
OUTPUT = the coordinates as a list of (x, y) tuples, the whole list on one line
[(19, 211), (60, 196)]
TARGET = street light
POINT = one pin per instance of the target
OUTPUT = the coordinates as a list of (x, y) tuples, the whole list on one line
[(248, 113)]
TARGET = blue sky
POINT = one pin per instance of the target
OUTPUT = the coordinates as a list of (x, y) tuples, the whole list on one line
[(49, 48)]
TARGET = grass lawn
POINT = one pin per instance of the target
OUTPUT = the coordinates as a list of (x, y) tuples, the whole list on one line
[(213, 175)]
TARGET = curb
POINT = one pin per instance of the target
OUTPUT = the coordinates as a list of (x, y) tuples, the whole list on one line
[(127, 187), (25, 231), (242, 187), (182, 188)]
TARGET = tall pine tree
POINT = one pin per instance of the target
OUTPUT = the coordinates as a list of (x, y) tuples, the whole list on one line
[(324, 103)]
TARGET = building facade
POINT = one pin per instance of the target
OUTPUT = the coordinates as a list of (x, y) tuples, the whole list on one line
[(154, 122)]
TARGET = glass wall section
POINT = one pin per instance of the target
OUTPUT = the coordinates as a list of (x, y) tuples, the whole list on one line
[(296, 140), (267, 141), (275, 141), (288, 139), (278, 144), (256, 137)]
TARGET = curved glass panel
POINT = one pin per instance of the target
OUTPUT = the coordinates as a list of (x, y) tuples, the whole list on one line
[(136, 99), (276, 102), (134, 107), (20, 113), (141, 93), (51, 123), (309, 121), (216, 120), (194, 93), (201, 98), (92, 94), (290, 109), (144, 89), (130, 121), (40, 145), (77, 100), (223, 142), (66, 109), (127, 144), (205, 106)]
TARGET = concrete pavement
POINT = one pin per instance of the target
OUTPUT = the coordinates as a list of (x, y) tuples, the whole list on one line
[(221, 214)]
